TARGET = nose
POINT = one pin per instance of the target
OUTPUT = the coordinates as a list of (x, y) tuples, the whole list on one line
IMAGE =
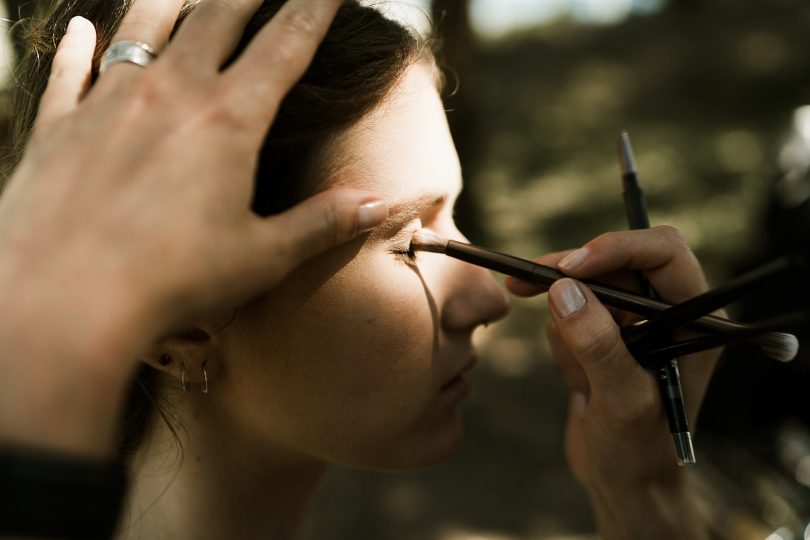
[(474, 298)]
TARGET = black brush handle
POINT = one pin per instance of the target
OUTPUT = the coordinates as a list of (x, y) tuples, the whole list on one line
[(658, 355), (607, 294), (711, 300), (667, 375)]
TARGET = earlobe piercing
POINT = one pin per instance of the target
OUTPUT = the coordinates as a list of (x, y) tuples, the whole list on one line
[(183, 381), (186, 385), (164, 360), (205, 379)]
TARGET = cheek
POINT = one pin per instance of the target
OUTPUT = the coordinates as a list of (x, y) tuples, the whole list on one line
[(354, 344), (371, 327), (344, 365)]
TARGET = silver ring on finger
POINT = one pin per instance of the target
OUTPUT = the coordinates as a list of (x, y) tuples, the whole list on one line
[(133, 52)]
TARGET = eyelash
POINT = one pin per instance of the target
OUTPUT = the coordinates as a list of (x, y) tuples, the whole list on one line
[(403, 253), (407, 256)]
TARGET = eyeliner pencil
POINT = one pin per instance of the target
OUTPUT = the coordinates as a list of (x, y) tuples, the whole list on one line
[(667, 375)]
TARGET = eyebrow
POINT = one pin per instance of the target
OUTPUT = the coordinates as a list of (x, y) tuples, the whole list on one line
[(403, 212)]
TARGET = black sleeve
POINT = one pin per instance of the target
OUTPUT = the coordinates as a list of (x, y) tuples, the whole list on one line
[(55, 496)]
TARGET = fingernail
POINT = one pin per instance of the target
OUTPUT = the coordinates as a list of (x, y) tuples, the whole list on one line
[(579, 402), (371, 214), (573, 259), (566, 297), (75, 23)]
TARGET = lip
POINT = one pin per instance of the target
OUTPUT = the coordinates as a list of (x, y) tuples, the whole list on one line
[(459, 376)]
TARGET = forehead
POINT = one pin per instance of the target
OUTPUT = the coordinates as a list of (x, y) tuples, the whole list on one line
[(403, 148)]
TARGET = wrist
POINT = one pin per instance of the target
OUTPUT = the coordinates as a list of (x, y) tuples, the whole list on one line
[(664, 509), (65, 365)]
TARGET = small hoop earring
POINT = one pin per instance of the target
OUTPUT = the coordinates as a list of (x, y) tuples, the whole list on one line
[(183, 380), (205, 379), (164, 360)]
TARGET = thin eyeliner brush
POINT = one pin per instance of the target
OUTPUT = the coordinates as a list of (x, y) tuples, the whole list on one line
[(667, 375), (676, 316), (655, 357), (425, 240)]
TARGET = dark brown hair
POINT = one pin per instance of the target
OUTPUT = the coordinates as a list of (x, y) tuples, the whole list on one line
[(359, 62)]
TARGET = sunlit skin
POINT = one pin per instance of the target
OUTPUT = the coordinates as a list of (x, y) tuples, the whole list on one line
[(380, 334), (354, 359)]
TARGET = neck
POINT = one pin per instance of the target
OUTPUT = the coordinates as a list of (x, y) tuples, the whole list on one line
[(216, 482)]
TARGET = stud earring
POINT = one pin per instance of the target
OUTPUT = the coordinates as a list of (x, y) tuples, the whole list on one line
[(164, 360)]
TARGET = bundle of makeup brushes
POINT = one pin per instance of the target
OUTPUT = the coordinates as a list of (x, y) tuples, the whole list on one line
[(645, 338)]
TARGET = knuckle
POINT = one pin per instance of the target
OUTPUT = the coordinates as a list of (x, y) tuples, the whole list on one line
[(228, 106), (604, 241), (215, 12), (286, 53), (229, 7), (151, 91), (332, 226), (152, 86), (182, 58), (672, 235), (598, 345), (298, 21), (144, 95), (680, 248), (280, 253)]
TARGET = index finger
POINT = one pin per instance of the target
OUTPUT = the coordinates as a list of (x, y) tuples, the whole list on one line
[(518, 287), (661, 253), (278, 56)]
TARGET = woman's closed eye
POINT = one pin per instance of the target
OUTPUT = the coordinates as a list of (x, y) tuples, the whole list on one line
[(401, 243), (405, 254)]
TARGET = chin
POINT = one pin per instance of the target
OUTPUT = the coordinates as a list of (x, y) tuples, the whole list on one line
[(419, 453)]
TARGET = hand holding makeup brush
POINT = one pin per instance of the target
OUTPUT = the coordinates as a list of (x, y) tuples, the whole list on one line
[(617, 441)]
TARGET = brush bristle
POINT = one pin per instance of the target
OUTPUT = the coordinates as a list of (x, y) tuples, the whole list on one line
[(779, 346), (424, 240)]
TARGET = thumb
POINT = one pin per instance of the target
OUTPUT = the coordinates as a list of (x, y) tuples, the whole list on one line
[(316, 225), (587, 330)]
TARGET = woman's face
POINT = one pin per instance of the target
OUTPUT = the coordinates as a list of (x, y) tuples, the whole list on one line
[(357, 358)]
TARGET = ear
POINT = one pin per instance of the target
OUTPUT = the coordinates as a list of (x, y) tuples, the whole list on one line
[(185, 355)]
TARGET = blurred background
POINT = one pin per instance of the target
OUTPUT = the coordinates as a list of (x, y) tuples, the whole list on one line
[(711, 92)]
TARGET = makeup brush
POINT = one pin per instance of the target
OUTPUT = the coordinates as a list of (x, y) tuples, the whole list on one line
[(711, 300), (783, 347), (424, 240)]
